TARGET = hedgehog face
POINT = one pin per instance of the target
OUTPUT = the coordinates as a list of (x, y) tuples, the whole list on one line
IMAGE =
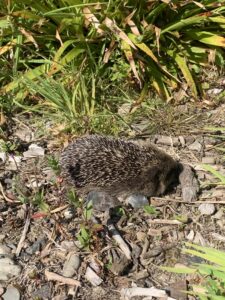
[(169, 178)]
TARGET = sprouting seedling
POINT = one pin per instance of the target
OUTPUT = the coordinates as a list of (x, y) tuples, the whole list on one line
[(53, 164), (84, 237)]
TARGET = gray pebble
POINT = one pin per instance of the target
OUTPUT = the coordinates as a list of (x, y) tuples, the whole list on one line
[(4, 250), (137, 201), (43, 292), (36, 246), (207, 209), (69, 213), (71, 265), (168, 140), (196, 146), (11, 294), (8, 268), (102, 201)]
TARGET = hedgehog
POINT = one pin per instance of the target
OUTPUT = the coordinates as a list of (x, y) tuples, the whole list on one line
[(117, 167)]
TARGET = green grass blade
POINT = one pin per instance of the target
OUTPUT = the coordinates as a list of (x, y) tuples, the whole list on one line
[(208, 38), (215, 173)]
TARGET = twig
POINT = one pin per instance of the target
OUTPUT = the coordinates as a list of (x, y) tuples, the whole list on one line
[(23, 236), (5, 197), (128, 293), (117, 237), (65, 280), (192, 202), (164, 221), (58, 209)]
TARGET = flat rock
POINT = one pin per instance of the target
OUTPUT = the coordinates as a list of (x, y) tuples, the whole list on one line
[(189, 184), (11, 294), (8, 268), (4, 249), (196, 146), (207, 209), (71, 265), (137, 201), (34, 151), (43, 292), (102, 201)]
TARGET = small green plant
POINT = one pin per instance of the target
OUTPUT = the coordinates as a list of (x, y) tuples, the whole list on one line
[(84, 237), (88, 210), (215, 174), (8, 146), (74, 199), (212, 274), (151, 210), (53, 164), (39, 200)]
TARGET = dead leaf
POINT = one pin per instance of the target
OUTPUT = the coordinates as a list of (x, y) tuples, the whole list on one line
[(29, 36), (58, 37), (118, 32)]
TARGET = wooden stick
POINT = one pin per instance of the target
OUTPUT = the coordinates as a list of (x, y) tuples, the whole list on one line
[(56, 277)]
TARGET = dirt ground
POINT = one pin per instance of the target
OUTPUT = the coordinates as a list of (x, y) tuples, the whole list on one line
[(43, 231)]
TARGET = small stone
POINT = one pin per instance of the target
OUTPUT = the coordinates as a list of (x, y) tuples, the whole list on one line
[(71, 265), (190, 236), (102, 201), (168, 140), (137, 201), (196, 146), (207, 209), (209, 160), (36, 246), (43, 292), (11, 294), (69, 213), (8, 268), (34, 151), (68, 245), (4, 250)]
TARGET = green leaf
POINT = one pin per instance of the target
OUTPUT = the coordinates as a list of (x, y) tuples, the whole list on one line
[(184, 22), (207, 37), (149, 209), (215, 173), (181, 61)]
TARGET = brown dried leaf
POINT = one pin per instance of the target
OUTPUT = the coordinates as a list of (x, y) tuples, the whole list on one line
[(91, 19), (109, 51), (29, 36), (57, 36), (118, 32)]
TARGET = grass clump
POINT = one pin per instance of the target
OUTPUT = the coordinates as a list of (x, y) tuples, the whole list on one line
[(210, 274), (135, 44)]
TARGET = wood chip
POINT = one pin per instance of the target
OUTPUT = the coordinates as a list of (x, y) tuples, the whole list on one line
[(50, 276)]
